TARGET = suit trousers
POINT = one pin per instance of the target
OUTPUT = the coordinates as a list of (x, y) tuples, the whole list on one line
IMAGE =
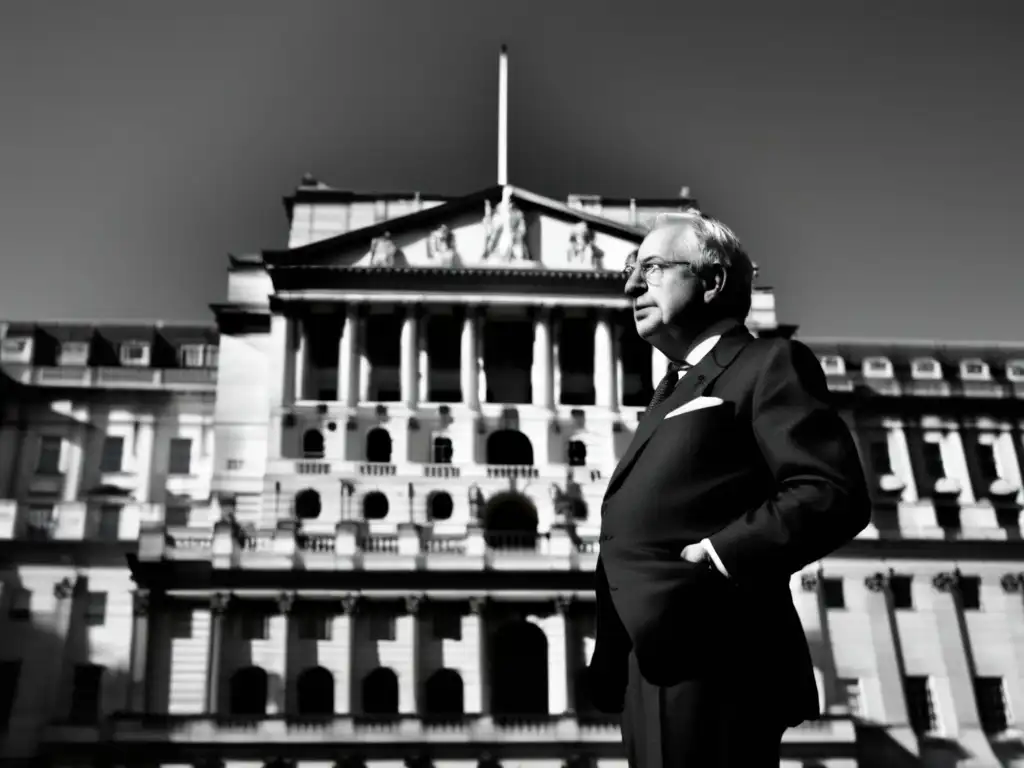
[(701, 723)]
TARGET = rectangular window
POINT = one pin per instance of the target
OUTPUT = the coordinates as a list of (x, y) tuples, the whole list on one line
[(134, 353), (40, 522), (10, 673), (190, 355), (850, 688), (921, 705), (834, 596), (112, 457), (176, 516), (254, 624), (20, 606), (881, 461), (442, 450), (108, 522), (314, 625), (181, 456), (902, 595), (49, 455), (992, 704), (933, 466), (95, 609), (970, 593), (85, 693), (987, 463)]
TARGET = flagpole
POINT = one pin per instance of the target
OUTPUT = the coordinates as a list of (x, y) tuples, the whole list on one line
[(503, 117)]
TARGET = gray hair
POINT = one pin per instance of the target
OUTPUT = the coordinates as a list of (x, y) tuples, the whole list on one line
[(717, 245)]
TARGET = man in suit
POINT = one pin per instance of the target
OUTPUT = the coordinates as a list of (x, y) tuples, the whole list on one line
[(740, 474)]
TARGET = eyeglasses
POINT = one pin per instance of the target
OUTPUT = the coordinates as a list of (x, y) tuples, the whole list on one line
[(651, 272)]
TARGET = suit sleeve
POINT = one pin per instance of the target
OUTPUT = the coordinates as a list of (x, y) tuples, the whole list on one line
[(819, 498)]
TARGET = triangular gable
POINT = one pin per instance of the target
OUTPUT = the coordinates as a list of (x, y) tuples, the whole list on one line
[(502, 227)]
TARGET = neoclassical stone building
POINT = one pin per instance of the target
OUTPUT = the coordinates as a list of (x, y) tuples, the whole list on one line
[(356, 522)]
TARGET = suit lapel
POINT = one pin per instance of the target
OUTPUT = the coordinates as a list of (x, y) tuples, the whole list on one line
[(692, 385)]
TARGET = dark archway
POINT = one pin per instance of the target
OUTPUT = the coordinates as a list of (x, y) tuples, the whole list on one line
[(248, 692), (86, 693), (577, 453), (509, 446), (307, 504), (510, 522), (315, 692), (312, 444), (375, 506), (440, 505), (378, 445), (519, 684), (380, 692), (443, 693)]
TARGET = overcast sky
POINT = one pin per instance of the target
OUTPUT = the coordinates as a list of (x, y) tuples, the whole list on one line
[(869, 154)]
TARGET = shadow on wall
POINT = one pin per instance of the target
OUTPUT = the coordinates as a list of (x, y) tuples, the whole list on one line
[(46, 677)]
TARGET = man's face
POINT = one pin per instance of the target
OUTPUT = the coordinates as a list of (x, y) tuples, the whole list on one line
[(672, 296)]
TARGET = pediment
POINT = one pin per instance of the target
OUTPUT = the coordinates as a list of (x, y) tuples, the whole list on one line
[(503, 228)]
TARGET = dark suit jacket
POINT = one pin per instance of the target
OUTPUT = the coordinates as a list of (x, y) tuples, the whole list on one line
[(772, 477)]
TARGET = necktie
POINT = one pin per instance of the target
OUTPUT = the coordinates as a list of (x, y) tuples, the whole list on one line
[(667, 384)]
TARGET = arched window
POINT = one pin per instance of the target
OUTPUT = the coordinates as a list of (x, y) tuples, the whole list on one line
[(315, 688), (312, 444), (442, 450), (307, 504), (440, 505), (375, 506), (380, 692), (378, 445), (509, 446), (510, 522), (520, 670), (443, 693), (577, 453), (248, 692)]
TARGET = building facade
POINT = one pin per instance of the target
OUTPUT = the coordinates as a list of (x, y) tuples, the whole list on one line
[(356, 521)]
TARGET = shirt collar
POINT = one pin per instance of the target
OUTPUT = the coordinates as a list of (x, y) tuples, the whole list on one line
[(714, 332)]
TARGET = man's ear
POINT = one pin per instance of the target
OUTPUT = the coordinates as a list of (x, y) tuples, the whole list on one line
[(714, 282)]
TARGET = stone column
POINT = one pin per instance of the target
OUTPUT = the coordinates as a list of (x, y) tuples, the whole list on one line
[(556, 356), (620, 373), (285, 606), (542, 379), (63, 615), (953, 458), (558, 668), (423, 355), (138, 700), (219, 603), (75, 447), (363, 353), (468, 358), (302, 373), (478, 699), (345, 677), (348, 360), (410, 355), (409, 687), (814, 619), (282, 368), (142, 460), (899, 458), (604, 363)]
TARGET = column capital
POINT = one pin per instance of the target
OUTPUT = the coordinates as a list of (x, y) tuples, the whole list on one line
[(1012, 582), (877, 582), (809, 581), (220, 602), (947, 581), (140, 602), (563, 603), (478, 604), (64, 588), (286, 602), (350, 604), (413, 603)]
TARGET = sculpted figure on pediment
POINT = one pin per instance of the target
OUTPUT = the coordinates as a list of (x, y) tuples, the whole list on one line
[(583, 251), (441, 247), (505, 232), (383, 251)]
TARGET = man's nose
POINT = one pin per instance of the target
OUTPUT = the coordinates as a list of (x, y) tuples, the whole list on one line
[(634, 284)]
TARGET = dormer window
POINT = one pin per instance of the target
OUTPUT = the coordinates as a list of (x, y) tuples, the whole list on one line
[(135, 353), (190, 355), (833, 365), (74, 353), (1015, 371), (877, 368), (974, 370), (16, 349), (925, 368)]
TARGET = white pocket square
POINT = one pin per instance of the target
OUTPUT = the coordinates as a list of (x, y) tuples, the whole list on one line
[(695, 405)]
